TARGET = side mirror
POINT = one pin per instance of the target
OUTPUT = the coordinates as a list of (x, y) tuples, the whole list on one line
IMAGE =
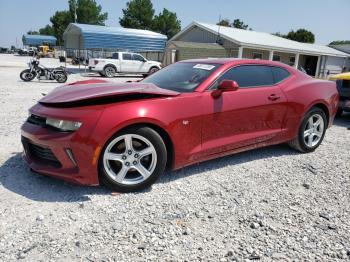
[(225, 86), (144, 60)]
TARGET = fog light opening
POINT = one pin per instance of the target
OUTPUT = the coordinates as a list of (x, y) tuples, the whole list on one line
[(71, 156)]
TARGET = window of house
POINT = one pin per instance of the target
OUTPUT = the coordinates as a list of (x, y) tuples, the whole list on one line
[(276, 58), (127, 56), (257, 56), (291, 60)]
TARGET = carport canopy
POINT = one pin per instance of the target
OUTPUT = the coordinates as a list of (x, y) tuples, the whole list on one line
[(83, 36), (36, 40)]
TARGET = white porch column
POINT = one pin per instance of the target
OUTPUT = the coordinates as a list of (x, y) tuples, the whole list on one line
[(296, 63), (318, 66), (240, 52), (271, 55)]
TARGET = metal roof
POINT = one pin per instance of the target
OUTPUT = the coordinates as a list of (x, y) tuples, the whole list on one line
[(38, 39), (211, 46), (260, 40), (104, 37)]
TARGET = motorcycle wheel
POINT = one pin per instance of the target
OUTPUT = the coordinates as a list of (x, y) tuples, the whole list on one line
[(26, 75), (61, 77)]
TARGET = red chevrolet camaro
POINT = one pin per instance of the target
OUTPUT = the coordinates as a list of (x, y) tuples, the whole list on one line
[(125, 135)]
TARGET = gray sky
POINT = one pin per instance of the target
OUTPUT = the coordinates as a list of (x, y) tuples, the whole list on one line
[(328, 20)]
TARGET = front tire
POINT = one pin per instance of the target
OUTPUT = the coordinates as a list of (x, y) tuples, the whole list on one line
[(153, 70), (311, 131), (26, 75), (109, 71), (132, 160)]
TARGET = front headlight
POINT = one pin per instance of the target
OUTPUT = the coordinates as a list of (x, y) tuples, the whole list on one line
[(63, 125)]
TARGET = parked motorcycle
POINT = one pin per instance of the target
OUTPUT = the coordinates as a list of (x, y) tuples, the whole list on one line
[(36, 70)]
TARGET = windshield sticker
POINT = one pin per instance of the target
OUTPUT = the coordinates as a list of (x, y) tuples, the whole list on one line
[(204, 66)]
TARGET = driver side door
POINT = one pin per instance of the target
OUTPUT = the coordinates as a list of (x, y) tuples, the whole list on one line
[(251, 115)]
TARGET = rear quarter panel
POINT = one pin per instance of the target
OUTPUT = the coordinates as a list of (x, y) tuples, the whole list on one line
[(305, 92)]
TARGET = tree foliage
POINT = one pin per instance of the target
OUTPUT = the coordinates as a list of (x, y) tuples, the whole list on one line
[(87, 12), (139, 14), (301, 35), (237, 23), (340, 42), (166, 23)]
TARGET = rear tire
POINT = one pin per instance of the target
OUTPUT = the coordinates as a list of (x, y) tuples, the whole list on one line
[(61, 77), (109, 71), (132, 160), (311, 131)]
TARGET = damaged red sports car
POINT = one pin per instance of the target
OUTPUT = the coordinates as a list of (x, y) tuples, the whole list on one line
[(125, 135)]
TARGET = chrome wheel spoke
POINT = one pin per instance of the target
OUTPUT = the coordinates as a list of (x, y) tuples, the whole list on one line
[(121, 174), (114, 156), (314, 130), (142, 170), (318, 133), (147, 151), (128, 143), (307, 132)]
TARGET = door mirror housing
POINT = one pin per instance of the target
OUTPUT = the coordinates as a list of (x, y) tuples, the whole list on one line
[(225, 86)]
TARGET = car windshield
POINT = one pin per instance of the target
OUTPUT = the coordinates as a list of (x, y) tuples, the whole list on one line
[(182, 77)]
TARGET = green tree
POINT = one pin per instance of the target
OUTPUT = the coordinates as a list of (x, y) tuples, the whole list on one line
[(224, 22), (340, 42), (87, 12), (237, 23), (138, 14), (166, 23), (60, 20), (30, 32), (301, 35), (47, 30)]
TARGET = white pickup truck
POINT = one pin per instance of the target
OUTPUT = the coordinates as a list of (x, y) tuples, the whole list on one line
[(123, 63)]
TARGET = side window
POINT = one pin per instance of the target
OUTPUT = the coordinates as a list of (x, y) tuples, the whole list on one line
[(137, 57), (115, 56), (249, 76), (127, 56), (279, 74)]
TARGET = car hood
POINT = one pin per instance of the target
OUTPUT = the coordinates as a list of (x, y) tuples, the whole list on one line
[(97, 90)]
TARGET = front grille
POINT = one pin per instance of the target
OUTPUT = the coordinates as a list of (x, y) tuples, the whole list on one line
[(37, 120), (40, 153)]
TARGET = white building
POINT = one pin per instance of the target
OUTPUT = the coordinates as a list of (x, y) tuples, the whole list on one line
[(317, 60)]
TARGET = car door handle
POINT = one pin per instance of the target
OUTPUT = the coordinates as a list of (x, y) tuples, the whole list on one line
[(274, 97)]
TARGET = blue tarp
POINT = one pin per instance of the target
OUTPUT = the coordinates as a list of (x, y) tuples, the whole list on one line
[(36, 40), (82, 36)]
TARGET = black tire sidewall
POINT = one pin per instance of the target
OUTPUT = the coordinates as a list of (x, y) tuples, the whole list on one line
[(302, 143), (160, 148), (28, 72), (104, 71)]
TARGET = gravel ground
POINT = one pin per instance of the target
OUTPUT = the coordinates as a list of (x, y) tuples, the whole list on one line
[(266, 204)]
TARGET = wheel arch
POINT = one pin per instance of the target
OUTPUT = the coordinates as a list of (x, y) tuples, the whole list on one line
[(324, 108), (163, 134), (116, 69)]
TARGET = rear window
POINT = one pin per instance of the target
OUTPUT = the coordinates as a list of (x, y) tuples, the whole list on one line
[(279, 74)]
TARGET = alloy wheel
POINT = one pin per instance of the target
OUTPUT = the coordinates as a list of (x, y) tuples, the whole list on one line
[(314, 130), (129, 159)]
